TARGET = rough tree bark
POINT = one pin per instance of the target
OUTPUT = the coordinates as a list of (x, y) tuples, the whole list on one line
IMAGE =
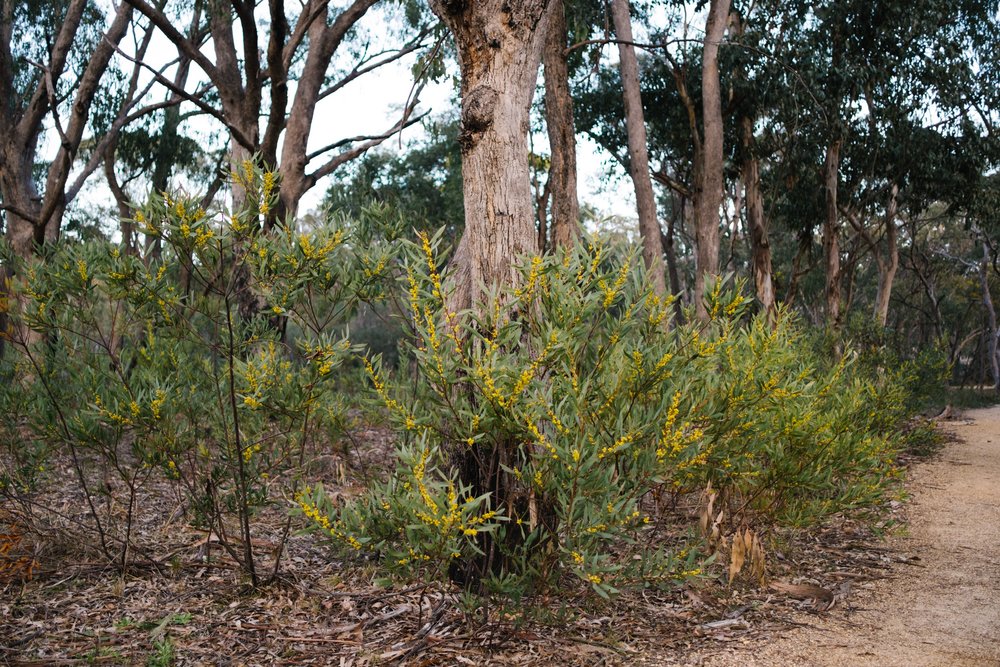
[(499, 50), (831, 233), (709, 184), (561, 129), (760, 245), (499, 45), (638, 163)]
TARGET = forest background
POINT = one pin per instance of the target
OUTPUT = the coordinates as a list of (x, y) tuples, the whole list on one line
[(562, 391)]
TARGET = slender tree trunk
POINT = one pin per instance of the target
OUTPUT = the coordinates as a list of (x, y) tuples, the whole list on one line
[(831, 234), (638, 163), (760, 245), (710, 184), (670, 252), (325, 39), (126, 225), (562, 131), (991, 315), (543, 194), (888, 267)]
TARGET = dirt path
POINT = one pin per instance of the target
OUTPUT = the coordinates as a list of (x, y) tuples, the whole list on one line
[(944, 610)]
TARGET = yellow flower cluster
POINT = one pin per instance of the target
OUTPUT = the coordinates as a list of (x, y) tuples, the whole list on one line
[(526, 293), (431, 264), (111, 415), (334, 529), (448, 521), (618, 445), (611, 293), (312, 252), (156, 405), (380, 388), (674, 439), (260, 375)]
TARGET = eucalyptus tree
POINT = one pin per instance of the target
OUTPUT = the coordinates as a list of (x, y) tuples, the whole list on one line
[(54, 57), (871, 71), (709, 186), (255, 61), (638, 151)]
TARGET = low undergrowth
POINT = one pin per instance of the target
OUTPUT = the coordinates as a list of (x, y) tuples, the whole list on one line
[(565, 437), (552, 434)]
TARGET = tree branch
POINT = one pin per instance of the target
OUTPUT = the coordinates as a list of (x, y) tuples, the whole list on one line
[(35, 111), (361, 68), (371, 142), (238, 135), (183, 44)]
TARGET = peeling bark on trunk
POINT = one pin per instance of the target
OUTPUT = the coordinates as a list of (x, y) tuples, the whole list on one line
[(499, 50), (635, 124), (831, 234), (760, 245), (710, 179), (890, 264), (561, 129)]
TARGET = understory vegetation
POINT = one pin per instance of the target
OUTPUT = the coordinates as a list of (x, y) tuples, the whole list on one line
[(609, 445)]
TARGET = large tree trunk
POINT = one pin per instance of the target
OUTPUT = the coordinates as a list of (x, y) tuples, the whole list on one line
[(760, 245), (831, 234), (21, 199), (889, 266), (709, 185), (499, 49), (499, 46), (638, 163), (562, 131)]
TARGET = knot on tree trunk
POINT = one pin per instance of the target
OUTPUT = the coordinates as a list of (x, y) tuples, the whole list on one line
[(478, 109)]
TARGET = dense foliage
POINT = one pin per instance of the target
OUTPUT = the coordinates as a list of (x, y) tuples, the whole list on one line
[(602, 416), (598, 414), (139, 368)]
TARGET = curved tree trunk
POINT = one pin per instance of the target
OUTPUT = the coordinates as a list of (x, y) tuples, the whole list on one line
[(888, 267), (709, 184), (638, 163)]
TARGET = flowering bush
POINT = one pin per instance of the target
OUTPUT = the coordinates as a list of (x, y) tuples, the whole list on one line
[(542, 431), (213, 362)]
